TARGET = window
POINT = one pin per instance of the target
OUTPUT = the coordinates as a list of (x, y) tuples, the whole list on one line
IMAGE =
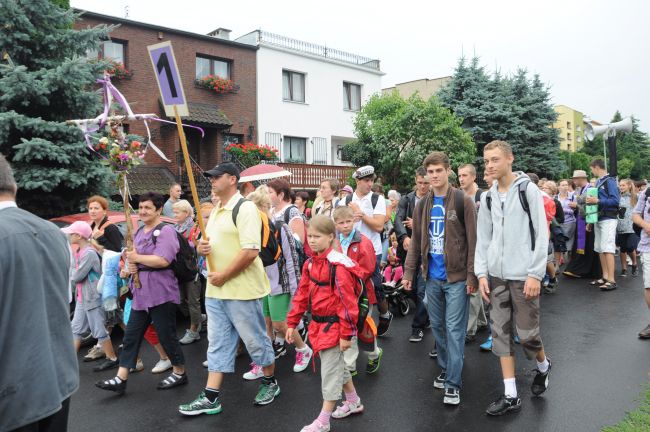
[(294, 149), (110, 49), (568, 136), (351, 96), (578, 128), (208, 66), (578, 138), (568, 125), (320, 150), (293, 86)]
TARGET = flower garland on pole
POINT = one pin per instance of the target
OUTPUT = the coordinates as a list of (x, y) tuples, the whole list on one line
[(117, 152)]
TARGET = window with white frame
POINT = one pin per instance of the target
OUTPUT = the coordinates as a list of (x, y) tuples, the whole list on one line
[(110, 49), (294, 149), (208, 66), (351, 96), (293, 86)]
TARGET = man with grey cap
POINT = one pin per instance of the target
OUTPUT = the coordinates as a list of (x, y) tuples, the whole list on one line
[(235, 288), (34, 285)]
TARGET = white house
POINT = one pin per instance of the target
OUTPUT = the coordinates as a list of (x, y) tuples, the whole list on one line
[(308, 96)]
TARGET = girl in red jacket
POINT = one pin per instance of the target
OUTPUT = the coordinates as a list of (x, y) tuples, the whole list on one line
[(334, 316)]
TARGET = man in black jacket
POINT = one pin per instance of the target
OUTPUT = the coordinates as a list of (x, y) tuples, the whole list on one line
[(403, 226)]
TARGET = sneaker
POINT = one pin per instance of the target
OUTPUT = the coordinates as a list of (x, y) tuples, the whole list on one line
[(551, 287), (316, 426), (200, 405), (373, 365), (645, 333), (348, 408), (517, 340), (487, 345), (162, 366), (106, 365), (280, 349), (302, 359), (469, 338), (503, 405), (624, 273), (190, 337), (304, 334), (267, 393), (540, 382), (433, 353), (112, 385), (416, 335), (635, 271), (139, 367), (205, 364), (256, 372), (452, 396), (439, 382), (94, 353), (384, 324)]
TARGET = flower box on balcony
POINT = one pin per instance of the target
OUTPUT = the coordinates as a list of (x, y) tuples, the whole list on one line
[(118, 71), (252, 154), (217, 84)]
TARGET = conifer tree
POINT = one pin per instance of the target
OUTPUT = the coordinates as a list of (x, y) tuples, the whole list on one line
[(46, 79)]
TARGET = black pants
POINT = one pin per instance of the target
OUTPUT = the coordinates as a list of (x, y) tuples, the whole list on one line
[(57, 422), (164, 321)]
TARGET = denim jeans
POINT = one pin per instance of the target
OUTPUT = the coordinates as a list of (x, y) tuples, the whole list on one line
[(376, 280), (448, 306), (229, 320), (421, 316)]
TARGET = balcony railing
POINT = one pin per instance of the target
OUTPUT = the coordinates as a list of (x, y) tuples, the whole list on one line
[(318, 50), (304, 176)]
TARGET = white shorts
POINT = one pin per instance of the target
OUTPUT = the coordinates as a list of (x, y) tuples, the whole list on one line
[(645, 263), (605, 236)]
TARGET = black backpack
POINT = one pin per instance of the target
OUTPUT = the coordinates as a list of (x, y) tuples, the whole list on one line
[(185, 264), (523, 199), (270, 250)]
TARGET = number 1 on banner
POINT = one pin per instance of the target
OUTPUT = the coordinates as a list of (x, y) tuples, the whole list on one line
[(168, 78)]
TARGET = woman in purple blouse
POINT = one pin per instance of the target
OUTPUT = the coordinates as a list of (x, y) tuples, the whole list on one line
[(565, 196), (156, 300)]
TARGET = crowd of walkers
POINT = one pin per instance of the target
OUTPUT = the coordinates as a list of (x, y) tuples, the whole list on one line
[(277, 273)]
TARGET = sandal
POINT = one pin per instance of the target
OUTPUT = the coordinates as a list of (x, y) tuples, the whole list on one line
[(597, 282), (608, 286), (173, 380)]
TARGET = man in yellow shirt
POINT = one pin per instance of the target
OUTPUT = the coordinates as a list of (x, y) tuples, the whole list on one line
[(234, 293)]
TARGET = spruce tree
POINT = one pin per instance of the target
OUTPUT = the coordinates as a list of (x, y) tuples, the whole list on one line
[(46, 79)]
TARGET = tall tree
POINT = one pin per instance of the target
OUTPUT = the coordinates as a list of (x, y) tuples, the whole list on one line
[(395, 135), (46, 79), (515, 109)]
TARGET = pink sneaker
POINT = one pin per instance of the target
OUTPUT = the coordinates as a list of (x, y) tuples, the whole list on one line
[(302, 359), (316, 426), (347, 409), (256, 372)]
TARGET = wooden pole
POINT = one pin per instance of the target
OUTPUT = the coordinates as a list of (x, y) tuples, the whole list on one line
[(190, 176), (129, 225)]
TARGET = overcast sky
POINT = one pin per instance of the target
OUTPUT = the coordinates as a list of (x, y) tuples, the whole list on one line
[(595, 55)]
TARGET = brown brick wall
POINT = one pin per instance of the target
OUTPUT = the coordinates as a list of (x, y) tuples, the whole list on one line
[(142, 92)]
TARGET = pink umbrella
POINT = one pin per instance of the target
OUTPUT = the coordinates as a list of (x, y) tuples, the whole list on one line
[(262, 172)]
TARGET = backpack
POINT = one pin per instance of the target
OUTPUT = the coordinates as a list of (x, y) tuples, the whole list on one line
[(620, 211), (524, 204), (185, 264), (362, 302), (304, 251), (270, 250)]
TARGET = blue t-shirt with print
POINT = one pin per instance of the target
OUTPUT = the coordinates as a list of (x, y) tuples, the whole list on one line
[(437, 240)]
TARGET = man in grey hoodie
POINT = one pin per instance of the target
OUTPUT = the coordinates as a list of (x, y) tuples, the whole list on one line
[(510, 263)]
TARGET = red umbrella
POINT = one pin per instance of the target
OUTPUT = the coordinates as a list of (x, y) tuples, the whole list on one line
[(262, 172)]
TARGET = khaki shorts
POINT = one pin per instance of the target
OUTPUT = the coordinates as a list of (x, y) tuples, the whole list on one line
[(605, 236), (333, 373)]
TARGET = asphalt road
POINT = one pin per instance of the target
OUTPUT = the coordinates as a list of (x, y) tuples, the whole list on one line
[(600, 368)]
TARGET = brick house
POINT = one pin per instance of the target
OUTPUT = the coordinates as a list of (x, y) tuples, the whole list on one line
[(225, 118)]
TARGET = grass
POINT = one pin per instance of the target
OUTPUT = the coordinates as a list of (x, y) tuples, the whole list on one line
[(635, 421)]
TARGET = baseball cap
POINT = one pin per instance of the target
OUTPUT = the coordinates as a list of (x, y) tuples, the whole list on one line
[(348, 189), (221, 169), (363, 172), (79, 227)]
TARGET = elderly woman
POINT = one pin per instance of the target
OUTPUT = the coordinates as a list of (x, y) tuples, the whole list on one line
[(190, 291), (104, 232)]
